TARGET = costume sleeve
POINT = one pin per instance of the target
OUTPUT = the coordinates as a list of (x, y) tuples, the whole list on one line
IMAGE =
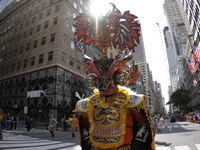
[(141, 130), (84, 132)]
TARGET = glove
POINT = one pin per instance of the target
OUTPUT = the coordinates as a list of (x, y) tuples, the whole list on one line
[(135, 145)]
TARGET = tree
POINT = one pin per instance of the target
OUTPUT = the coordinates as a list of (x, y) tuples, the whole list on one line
[(180, 98)]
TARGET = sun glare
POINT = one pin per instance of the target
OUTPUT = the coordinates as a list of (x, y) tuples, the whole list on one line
[(99, 7)]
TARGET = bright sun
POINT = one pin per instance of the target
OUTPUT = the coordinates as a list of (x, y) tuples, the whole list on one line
[(99, 7)]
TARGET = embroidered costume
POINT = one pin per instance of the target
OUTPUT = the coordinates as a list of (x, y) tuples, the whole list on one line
[(114, 118)]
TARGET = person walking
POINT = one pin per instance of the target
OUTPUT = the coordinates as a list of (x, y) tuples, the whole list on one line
[(52, 125), (1, 124), (153, 124), (74, 124), (28, 124)]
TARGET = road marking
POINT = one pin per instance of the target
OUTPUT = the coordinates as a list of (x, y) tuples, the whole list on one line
[(55, 146), (163, 148), (182, 148), (198, 146)]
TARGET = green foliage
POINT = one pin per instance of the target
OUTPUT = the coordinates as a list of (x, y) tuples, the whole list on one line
[(180, 98)]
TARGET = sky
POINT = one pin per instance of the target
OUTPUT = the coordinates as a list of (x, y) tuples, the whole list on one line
[(152, 19)]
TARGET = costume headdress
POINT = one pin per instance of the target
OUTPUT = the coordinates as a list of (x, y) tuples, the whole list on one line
[(116, 30)]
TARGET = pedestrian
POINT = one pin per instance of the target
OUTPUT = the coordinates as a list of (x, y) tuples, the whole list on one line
[(52, 125), (74, 124), (1, 124), (153, 123), (28, 124), (15, 122)]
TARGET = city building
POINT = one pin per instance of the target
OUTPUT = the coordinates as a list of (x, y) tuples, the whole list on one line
[(39, 62)]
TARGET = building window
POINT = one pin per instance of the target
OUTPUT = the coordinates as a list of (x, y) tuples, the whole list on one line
[(18, 38), (48, 12), (63, 57), (10, 55), (41, 57), (44, 5), (25, 63), (37, 9), (18, 65), (68, 10), (21, 26), (38, 28), (72, 44), (73, 29), (12, 67), (81, 2), (51, 2), (43, 41), (52, 38), (50, 56), (75, 5), (28, 47), (15, 53), (78, 65), (30, 13), (40, 16), (46, 24), (65, 37), (55, 20), (5, 57), (24, 35), (33, 19), (15, 30), (35, 44), (57, 8), (7, 69), (71, 61), (27, 23), (32, 61), (80, 10), (66, 22), (21, 50), (31, 32), (74, 15)]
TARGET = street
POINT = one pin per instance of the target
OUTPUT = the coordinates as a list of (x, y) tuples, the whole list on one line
[(178, 136)]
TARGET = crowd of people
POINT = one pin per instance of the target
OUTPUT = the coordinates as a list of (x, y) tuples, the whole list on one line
[(159, 122)]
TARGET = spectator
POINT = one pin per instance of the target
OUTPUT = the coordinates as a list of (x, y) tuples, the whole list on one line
[(172, 119), (1, 125), (7, 122), (28, 124), (15, 123)]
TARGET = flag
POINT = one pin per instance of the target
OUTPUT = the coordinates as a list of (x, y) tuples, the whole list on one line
[(192, 65), (196, 53)]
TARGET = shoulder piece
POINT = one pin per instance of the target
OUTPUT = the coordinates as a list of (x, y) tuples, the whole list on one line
[(137, 101), (82, 106)]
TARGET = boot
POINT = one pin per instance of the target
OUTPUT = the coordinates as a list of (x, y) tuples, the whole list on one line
[(52, 133), (73, 135)]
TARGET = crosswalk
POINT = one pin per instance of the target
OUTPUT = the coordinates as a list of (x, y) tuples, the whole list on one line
[(184, 147), (22, 142)]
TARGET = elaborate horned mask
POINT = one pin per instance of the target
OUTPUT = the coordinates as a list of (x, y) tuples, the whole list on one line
[(120, 31)]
